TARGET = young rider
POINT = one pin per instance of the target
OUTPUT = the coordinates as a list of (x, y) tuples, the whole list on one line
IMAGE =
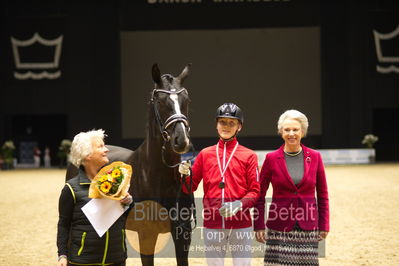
[(230, 182)]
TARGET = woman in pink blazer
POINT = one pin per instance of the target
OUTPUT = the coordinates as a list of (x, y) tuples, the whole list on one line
[(299, 213)]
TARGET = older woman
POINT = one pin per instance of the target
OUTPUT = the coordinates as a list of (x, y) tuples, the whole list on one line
[(297, 219), (77, 241)]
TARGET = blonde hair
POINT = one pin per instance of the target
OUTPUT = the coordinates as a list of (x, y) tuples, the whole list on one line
[(296, 115), (82, 145)]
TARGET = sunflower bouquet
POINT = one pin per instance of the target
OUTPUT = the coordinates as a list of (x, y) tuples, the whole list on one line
[(112, 181)]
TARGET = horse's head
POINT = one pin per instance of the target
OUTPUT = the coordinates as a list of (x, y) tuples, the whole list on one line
[(170, 100)]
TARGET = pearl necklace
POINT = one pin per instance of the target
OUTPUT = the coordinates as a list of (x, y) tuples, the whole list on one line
[(293, 154)]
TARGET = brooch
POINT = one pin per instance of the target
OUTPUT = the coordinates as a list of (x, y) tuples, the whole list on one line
[(308, 159)]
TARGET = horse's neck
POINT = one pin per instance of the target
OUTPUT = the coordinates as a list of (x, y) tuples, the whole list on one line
[(153, 140), (154, 178)]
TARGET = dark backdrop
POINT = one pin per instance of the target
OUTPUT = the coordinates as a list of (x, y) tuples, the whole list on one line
[(354, 96)]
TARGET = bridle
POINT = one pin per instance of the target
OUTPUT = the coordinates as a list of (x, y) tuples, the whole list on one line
[(171, 120), (163, 126)]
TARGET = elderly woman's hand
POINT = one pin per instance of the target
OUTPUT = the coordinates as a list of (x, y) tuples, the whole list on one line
[(322, 235), (127, 200), (62, 261), (260, 236)]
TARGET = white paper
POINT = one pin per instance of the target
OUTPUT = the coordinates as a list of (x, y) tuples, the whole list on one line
[(102, 213)]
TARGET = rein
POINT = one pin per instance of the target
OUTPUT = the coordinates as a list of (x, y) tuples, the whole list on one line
[(185, 224)]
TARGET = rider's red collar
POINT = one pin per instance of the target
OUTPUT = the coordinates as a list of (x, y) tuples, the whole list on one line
[(229, 143)]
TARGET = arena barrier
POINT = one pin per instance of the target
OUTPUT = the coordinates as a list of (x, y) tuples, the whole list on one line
[(330, 156), (336, 156)]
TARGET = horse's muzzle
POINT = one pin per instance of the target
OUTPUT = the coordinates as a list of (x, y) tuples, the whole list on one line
[(180, 139)]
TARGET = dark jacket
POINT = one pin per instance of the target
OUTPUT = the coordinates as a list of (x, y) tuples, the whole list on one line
[(77, 238)]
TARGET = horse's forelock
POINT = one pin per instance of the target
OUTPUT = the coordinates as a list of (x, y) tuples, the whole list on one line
[(168, 77), (170, 82)]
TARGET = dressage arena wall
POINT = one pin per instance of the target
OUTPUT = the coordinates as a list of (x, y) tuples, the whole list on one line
[(330, 68), (336, 156), (329, 156), (363, 206)]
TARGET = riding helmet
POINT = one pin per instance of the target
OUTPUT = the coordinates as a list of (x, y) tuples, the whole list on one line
[(230, 110)]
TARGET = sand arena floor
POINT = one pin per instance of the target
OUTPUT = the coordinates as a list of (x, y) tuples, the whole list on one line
[(364, 203)]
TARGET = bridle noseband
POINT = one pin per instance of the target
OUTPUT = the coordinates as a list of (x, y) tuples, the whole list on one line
[(163, 126)]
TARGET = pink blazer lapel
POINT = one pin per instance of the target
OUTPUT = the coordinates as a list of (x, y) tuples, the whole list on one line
[(307, 160)]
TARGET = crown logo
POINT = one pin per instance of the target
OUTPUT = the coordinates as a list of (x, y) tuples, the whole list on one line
[(24, 65), (378, 37)]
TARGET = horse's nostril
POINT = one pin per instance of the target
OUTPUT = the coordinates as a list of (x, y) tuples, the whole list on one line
[(179, 140), (179, 143), (178, 146)]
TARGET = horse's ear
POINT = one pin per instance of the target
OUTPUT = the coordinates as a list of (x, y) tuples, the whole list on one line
[(156, 75), (184, 73)]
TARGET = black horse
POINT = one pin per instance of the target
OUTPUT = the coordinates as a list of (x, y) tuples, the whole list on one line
[(156, 183)]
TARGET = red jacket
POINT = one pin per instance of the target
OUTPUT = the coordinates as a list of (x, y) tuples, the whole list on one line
[(241, 183), (291, 203)]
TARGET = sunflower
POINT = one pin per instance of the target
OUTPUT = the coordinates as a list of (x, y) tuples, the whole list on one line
[(105, 187), (110, 178), (103, 178), (116, 173)]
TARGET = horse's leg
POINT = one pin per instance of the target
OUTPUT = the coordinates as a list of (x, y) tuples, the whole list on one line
[(147, 241), (181, 231), (182, 239)]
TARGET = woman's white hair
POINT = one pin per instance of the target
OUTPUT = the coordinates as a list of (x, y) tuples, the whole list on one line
[(296, 115), (82, 145)]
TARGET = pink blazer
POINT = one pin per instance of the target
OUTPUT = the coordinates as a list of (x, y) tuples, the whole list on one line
[(306, 203)]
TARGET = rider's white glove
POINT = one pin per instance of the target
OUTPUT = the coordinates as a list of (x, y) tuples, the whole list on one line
[(229, 209), (184, 167)]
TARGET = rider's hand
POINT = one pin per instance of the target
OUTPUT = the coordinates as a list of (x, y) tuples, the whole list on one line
[(229, 209), (184, 167)]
